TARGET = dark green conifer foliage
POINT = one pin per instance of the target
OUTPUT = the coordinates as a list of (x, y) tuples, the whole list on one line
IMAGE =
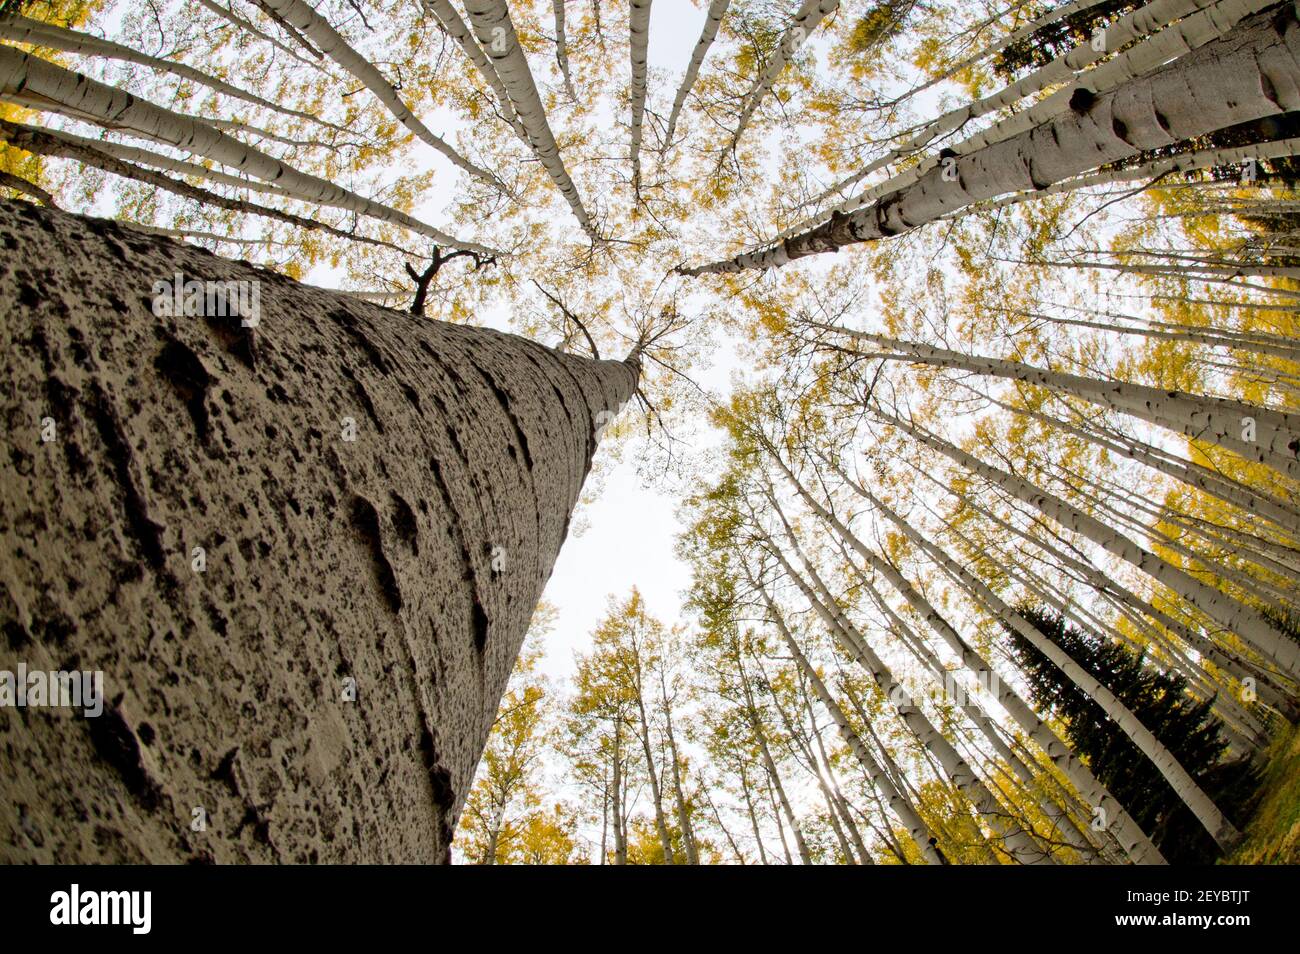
[(1184, 724), (1043, 46)]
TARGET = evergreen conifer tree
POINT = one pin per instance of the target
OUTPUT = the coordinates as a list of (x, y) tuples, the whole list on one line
[(1161, 700)]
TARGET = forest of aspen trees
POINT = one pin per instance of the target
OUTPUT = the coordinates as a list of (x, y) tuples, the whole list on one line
[(960, 337)]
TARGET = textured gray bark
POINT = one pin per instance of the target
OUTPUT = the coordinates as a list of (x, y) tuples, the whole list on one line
[(374, 560)]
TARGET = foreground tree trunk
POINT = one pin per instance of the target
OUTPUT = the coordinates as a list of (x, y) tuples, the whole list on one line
[(303, 554)]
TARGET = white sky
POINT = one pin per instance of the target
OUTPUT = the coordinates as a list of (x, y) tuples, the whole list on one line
[(626, 536)]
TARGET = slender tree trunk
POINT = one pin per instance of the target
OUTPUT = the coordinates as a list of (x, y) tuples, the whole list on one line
[(717, 817), (459, 31), (839, 804), (964, 699), (496, 35), (1014, 836), (1272, 436), (753, 813), (932, 128), (230, 16), (799, 746), (683, 816), (639, 26), (49, 142), (620, 833), (20, 29), (494, 836), (1183, 784), (712, 20), (900, 805), (777, 817), (895, 777), (1231, 663), (305, 545), (21, 73), (1252, 73), (1216, 604), (604, 819), (652, 773), (806, 19), (1199, 477), (1016, 840), (562, 48), (756, 726), (1135, 842), (302, 16)]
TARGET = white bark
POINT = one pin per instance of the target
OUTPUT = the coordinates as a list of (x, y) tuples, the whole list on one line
[(965, 699), (22, 73), (918, 140), (1218, 420), (562, 48), (1251, 73), (48, 143), (1215, 19), (1194, 475), (1154, 171), (679, 796), (639, 24), (20, 29), (145, 157), (620, 831), (1192, 795), (774, 776), (712, 20), (496, 34), (1015, 839), (302, 16), (455, 27), (1210, 337), (806, 19), (898, 803), (228, 14), (1216, 604), (1228, 661), (1131, 838)]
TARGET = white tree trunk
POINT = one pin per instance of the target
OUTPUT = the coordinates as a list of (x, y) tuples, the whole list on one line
[(1183, 784), (639, 25), (455, 27), (1132, 839), (562, 48), (1016, 841), (918, 140), (1216, 604), (1221, 421), (712, 20), (496, 34), (1231, 663), (898, 803), (1251, 73), (20, 29), (806, 19), (21, 73), (302, 16)]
